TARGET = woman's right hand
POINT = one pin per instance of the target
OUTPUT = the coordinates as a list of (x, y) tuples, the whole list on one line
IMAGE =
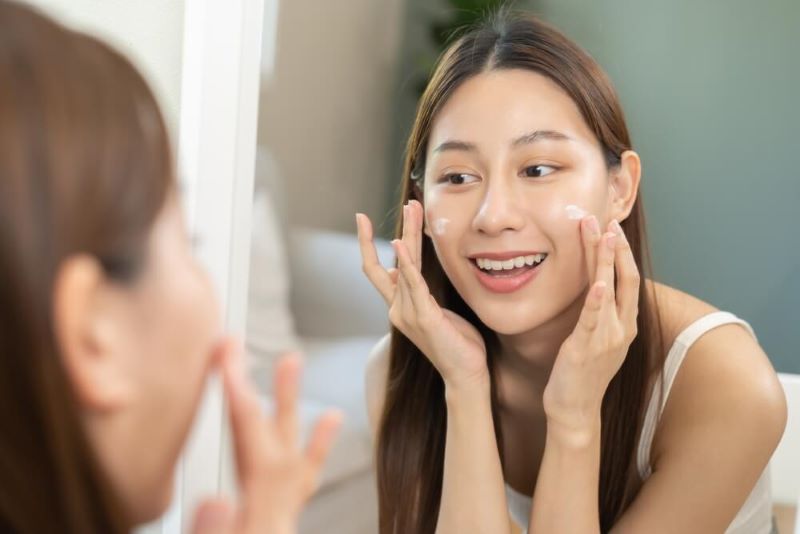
[(451, 343), (276, 476)]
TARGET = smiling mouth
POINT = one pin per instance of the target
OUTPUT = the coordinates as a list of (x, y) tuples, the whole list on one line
[(508, 268)]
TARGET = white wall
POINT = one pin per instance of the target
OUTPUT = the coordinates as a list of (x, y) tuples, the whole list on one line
[(326, 110), (149, 32)]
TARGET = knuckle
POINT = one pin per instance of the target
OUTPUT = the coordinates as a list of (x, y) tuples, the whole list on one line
[(396, 316)]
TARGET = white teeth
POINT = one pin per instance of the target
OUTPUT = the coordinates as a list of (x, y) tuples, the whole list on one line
[(520, 261)]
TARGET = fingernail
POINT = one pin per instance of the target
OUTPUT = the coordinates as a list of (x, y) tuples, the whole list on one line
[(600, 288), (611, 240), (594, 226), (617, 228)]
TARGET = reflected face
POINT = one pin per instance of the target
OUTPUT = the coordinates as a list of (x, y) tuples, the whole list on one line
[(510, 167)]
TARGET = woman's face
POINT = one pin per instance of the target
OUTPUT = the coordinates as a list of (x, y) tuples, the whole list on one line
[(511, 165), (161, 335)]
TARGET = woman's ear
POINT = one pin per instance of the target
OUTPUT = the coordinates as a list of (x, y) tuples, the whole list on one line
[(87, 321), (624, 185)]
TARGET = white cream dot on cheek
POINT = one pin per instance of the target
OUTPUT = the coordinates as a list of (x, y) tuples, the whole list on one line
[(440, 225), (575, 213)]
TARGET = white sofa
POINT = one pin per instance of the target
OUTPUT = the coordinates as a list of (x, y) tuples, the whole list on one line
[(335, 317)]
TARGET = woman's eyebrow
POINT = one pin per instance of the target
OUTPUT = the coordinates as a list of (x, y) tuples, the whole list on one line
[(527, 139), (456, 145), (540, 135)]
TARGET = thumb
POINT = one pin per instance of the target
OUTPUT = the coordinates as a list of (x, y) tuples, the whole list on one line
[(214, 516)]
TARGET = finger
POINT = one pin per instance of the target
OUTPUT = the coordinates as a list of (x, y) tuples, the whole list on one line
[(629, 279), (371, 264), (418, 213), (605, 264), (393, 274), (590, 235), (403, 304), (214, 516), (413, 282), (246, 415), (398, 312), (408, 229), (286, 387), (322, 438), (592, 307)]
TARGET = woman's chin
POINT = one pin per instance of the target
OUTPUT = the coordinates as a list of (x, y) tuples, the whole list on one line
[(509, 323)]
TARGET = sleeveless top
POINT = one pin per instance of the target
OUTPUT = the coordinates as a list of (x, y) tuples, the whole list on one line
[(755, 515)]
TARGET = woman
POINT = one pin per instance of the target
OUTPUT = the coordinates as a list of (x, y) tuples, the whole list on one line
[(109, 326), (528, 356)]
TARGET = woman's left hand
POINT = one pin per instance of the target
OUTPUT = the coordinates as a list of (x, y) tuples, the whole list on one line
[(594, 352)]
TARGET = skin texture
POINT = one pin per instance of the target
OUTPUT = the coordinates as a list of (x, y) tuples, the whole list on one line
[(562, 339), (138, 356)]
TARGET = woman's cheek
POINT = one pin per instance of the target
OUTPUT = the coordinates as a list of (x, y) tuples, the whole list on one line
[(442, 222)]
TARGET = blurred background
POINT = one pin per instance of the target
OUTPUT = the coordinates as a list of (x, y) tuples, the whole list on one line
[(709, 90)]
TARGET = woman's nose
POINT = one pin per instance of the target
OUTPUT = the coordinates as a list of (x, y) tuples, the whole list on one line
[(498, 211)]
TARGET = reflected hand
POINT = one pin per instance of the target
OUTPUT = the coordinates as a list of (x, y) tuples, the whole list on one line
[(451, 343)]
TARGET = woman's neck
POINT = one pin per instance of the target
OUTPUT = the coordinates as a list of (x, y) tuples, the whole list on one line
[(525, 360)]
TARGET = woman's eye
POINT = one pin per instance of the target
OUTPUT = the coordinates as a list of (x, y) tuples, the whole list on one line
[(537, 171), (459, 178)]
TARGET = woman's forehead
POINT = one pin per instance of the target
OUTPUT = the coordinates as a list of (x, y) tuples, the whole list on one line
[(499, 106)]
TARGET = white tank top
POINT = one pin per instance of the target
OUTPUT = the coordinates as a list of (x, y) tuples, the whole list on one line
[(755, 515)]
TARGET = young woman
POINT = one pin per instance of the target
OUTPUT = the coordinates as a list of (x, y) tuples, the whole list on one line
[(528, 356), (109, 326)]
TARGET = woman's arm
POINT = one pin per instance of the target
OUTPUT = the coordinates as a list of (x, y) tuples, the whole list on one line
[(473, 491), (566, 495), (565, 499)]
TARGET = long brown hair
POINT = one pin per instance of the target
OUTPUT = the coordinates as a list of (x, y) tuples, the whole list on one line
[(85, 168), (411, 436)]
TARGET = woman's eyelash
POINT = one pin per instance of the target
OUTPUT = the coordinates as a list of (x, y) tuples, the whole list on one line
[(539, 174), (460, 175)]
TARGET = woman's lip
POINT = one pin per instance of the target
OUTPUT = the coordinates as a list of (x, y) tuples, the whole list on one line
[(505, 284)]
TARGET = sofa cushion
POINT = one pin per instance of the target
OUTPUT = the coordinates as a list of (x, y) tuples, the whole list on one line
[(330, 296)]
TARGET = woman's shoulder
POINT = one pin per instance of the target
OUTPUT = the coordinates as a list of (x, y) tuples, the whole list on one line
[(677, 309), (725, 380)]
